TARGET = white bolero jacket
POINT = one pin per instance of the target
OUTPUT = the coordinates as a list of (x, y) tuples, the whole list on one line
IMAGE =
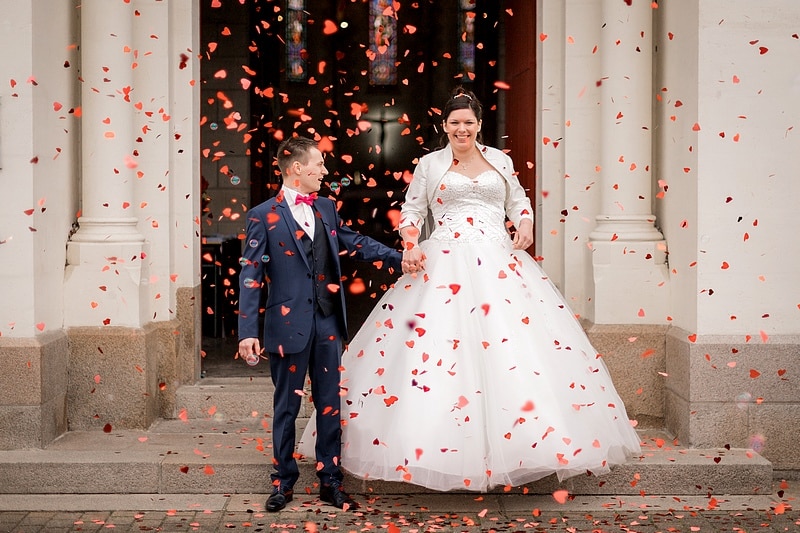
[(429, 173)]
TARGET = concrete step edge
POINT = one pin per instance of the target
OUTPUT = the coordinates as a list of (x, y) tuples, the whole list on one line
[(212, 476), (226, 463)]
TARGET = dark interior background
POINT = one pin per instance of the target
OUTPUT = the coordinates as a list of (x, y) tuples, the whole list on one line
[(372, 156)]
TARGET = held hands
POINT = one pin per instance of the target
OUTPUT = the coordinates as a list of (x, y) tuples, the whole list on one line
[(523, 238), (250, 350), (413, 260)]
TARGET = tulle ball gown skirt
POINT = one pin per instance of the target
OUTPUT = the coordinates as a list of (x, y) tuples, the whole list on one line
[(476, 374)]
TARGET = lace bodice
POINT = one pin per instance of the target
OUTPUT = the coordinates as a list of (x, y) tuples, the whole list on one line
[(470, 209)]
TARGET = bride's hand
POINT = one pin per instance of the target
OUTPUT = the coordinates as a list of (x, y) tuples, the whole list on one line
[(523, 238), (413, 260)]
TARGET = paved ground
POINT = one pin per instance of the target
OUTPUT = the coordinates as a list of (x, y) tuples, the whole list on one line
[(411, 513)]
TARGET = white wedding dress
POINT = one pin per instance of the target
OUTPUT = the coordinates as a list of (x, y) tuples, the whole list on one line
[(476, 373)]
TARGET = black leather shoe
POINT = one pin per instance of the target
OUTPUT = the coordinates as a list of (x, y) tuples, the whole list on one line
[(335, 495), (278, 499)]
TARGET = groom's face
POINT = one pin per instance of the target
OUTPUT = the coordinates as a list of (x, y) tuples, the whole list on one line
[(307, 177)]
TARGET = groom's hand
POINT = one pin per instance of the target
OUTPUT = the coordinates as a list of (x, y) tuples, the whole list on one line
[(249, 346), (413, 260)]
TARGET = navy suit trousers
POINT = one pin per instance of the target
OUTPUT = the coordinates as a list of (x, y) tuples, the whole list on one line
[(321, 359)]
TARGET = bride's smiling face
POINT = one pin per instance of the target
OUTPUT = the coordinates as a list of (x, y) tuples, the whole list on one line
[(462, 127)]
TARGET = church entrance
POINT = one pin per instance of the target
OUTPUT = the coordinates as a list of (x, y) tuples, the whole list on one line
[(365, 78)]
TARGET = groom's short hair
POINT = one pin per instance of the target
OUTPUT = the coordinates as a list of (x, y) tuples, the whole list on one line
[(294, 149)]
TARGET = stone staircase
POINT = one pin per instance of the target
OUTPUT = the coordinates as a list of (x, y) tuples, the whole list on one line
[(219, 443)]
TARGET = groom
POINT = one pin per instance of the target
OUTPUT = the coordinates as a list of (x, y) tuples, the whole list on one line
[(293, 246)]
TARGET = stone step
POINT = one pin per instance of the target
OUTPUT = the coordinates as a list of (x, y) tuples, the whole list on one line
[(224, 398), (222, 454)]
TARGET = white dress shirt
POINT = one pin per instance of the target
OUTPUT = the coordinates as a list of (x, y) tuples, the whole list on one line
[(302, 213)]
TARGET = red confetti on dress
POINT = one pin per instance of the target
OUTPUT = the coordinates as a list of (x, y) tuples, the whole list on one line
[(490, 389)]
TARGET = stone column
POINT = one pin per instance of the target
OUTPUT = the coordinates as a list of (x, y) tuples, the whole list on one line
[(185, 148), (104, 275), (628, 251), (115, 343)]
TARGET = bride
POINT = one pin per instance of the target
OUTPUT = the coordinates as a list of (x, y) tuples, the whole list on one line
[(472, 372)]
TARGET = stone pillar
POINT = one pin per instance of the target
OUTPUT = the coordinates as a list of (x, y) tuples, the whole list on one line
[(628, 252), (185, 153), (105, 273), (114, 351)]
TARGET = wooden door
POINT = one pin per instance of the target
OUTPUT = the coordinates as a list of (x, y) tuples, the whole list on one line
[(520, 67)]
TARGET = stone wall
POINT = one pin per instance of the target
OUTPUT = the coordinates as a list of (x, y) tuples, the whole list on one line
[(33, 390)]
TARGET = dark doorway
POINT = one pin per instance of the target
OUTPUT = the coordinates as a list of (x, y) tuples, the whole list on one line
[(376, 132), (519, 61), (372, 133)]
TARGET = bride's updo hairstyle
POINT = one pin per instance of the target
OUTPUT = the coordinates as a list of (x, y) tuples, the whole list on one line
[(461, 98)]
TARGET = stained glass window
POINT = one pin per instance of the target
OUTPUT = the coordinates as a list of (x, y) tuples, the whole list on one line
[(296, 32), (466, 38), (382, 42)]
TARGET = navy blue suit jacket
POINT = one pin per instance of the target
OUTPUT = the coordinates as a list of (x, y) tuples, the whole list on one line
[(273, 254)]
